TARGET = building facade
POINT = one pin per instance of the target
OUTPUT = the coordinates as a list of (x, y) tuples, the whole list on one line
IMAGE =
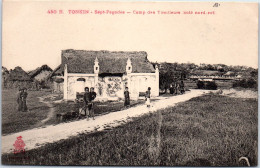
[(109, 73)]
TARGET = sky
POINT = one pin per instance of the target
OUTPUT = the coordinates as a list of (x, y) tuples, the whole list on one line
[(32, 37)]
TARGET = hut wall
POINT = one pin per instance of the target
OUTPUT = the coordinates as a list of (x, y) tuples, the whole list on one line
[(55, 83), (42, 76), (57, 87)]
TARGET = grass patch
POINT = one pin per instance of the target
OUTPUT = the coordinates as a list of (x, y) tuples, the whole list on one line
[(14, 121), (206, 131)]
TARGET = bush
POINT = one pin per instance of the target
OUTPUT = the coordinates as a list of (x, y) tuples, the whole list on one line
[(209, 85), (246, 83), (200, 85)]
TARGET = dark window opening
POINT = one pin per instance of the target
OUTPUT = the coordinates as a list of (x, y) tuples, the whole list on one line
[(81, 79)]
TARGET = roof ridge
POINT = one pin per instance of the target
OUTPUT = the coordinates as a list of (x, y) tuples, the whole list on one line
[(105, 51), (82, 61)]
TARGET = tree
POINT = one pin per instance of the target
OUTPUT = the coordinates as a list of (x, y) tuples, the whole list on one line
[(254, 73), (171, 72)]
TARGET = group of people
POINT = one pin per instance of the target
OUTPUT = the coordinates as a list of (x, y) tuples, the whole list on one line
[(177, 87), (21, 100), (90, 95), (147, 97)]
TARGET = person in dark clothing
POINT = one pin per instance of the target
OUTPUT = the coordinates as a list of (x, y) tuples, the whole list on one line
[(147, 97), (86, 99), (182, 90), (92, 95), (171, 89), (86, 95), (127, 97), (24, 95), (19, 100), (176, 87)]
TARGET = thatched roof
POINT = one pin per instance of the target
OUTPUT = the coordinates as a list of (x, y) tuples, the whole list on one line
[(18, 74), (4, 70), (39, 70), (56, 72), (82, 61)]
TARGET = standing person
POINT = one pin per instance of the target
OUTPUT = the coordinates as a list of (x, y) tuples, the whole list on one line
[(93, 95), (182, 87), (147, 97), (24, 95), (19, 100), (176, 87), (127, 97), (171, 89), (86, 99)]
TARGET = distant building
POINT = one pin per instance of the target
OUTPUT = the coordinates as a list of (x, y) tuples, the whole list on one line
[(41, 73), (5, 74), (108, 72), (18, 78), (56, 79)]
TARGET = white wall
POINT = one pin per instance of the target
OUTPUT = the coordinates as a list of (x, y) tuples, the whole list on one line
[(141, 82), (75, 86), (136, 82)]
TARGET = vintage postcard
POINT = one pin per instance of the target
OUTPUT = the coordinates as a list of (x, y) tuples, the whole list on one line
[(93, 83)]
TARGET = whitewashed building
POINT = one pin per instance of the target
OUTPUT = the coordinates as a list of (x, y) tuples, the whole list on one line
[(109, 73)]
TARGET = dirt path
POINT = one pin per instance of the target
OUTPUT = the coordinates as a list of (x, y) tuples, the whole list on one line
[(38, 137), (50, 113)]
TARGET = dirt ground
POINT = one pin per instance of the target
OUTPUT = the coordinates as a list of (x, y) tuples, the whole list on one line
[(245, 93)]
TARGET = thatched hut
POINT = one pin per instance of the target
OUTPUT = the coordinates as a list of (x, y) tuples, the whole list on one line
[(18, 78), (39, 76), (5, 74), (108, 72), (55, 79), (41, 73)]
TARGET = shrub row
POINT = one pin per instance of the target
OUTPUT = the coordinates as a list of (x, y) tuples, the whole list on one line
[(246, 83), (209, 85)]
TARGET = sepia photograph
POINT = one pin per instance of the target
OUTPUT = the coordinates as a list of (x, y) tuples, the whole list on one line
[(129, 83)]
